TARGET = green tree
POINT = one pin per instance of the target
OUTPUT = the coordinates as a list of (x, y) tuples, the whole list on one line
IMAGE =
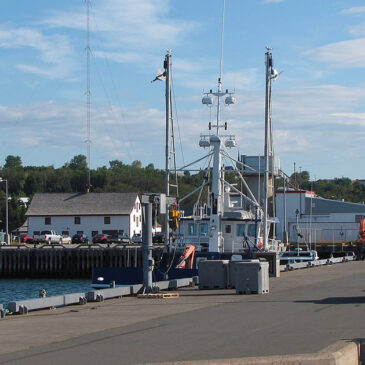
[(116, 164), (78, 162), (137, 164), (12, 162)]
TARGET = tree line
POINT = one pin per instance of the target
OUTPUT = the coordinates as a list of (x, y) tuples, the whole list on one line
[(25, 181)]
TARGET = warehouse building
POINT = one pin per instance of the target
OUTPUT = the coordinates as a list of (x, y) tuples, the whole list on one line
[(311, 219), (88, 213)]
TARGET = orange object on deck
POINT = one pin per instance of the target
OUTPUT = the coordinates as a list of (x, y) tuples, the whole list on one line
[(186, 260), (362, 231)]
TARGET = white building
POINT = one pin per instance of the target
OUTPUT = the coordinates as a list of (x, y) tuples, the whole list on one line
[(317, 219), (88, 213)]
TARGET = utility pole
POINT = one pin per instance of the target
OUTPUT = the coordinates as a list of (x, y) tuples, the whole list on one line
[(147, 244), (6, 210), (88, 94)]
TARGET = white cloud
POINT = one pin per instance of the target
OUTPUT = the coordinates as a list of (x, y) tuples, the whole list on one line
[(345, 54), (310, 122), (354, 10), (137, 24), (55, 51)]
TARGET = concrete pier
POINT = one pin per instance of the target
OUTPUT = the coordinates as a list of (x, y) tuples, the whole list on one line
[(55, 261), (305, 312)]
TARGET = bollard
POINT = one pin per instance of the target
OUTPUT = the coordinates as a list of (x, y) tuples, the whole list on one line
[(42, 293)]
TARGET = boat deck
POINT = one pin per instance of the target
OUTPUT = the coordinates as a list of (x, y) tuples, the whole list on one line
[(305, 311)]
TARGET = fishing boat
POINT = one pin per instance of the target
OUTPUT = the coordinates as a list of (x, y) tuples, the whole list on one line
[(226, 220), (229, 220)]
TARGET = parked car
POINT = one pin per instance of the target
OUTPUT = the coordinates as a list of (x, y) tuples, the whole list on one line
[(80, 238), (137, 238), (120, 238), (48, 237), (66, 239), (158, 238), (26, 238), (101, 238), (288, 257)]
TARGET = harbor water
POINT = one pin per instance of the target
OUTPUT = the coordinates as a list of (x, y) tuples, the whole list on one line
[(19, 289)]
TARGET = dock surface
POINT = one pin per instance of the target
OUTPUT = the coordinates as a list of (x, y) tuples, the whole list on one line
[(305, 311)]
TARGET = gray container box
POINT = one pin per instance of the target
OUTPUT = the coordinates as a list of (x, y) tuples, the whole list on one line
[(213, 274), (251, 277), (232, 271)]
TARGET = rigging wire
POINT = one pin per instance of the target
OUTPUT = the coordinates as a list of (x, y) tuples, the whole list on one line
[(109, 69), (177, 120), (116, 112), (173, 148)]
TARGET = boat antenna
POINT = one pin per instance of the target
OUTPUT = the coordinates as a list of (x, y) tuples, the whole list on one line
[(88, 93), (222, 44), (220, 66)]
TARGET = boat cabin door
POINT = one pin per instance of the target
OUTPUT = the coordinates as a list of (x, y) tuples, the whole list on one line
[(228, 237)]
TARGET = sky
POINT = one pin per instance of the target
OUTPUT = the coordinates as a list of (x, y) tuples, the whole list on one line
[(318, 101)]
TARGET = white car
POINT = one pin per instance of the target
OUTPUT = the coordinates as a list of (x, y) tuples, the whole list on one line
[(137, 238), (65, 239)]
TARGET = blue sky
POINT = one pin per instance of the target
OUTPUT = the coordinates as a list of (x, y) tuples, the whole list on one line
[(318, 101)]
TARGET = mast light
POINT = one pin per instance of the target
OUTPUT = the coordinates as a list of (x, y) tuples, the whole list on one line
[(207, 100), (230, 100)]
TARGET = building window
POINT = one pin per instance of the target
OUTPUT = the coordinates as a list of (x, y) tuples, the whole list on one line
[(251, 230), (137, 222), (77, 220), (47, 221), (241, 230), (106, 220), (228, 228), (192, 229), (204, 229), (94, 233), (134, 218)]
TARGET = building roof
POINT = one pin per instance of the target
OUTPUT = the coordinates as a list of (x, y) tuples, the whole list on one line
[(323, 206), (64, 204)]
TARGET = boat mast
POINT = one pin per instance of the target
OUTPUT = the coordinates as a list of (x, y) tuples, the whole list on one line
[(215, 237), (269, 70), (167, 67)]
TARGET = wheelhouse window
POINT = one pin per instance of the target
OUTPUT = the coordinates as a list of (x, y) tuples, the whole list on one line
[(251, 231), (80, 232), (47, 221), (228, 228), (94, 233), (77, 220), (106, 220), (65, 233), (191, 229), (203, 229), (241, 228)]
